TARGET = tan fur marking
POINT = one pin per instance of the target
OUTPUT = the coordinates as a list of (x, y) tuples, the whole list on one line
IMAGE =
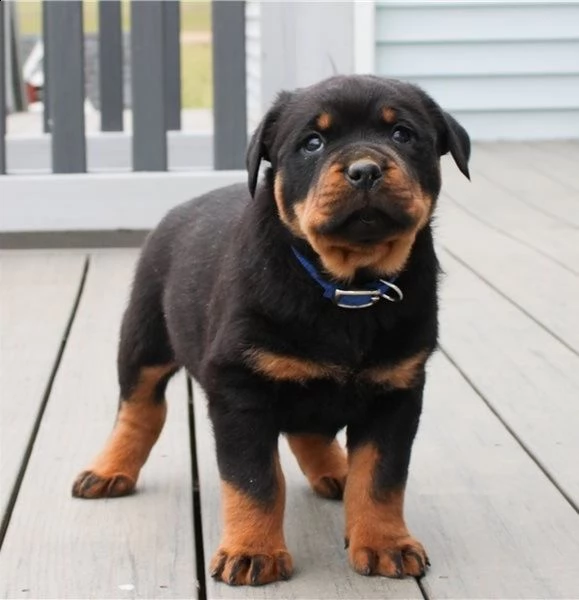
[(341, 258), (361, 506), (323, 462), (401, 376), (375, 525), (324, 121), (139, 422), (251, 529), (288, 221), (389, 115), (291, 368)]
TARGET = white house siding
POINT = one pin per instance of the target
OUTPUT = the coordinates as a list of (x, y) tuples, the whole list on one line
[(294, 43), (506, 70), (253, 61)]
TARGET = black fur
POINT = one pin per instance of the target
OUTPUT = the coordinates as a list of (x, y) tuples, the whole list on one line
[(218, 277)]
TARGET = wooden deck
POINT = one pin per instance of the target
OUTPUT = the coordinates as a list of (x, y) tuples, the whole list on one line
[(494, 487)]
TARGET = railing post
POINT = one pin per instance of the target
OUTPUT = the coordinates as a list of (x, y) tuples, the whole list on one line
[(147, 62), (111, 65), (66, 79), (229, 84), (172, 39), (46, 86), (3, 73)]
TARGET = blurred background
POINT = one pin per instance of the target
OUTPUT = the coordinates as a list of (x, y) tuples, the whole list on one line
[(195, 41)]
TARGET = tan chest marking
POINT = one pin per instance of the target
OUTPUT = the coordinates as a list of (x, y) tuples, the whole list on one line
[(281, 367), (402, 375)]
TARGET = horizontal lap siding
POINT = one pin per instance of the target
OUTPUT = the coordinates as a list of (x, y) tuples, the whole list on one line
[(505, 70)]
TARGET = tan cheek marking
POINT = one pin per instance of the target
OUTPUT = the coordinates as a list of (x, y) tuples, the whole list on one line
[(290, 368), (398, 181), (324, 121), (401, 376), (389, 115), (425, 201), (291, 224), (319, 204), (419, 203)]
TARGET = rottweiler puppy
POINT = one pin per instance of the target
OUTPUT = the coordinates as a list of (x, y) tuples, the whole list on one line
[(302, 306)]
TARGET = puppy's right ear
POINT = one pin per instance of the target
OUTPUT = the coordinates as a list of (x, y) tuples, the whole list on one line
[(262, 140)]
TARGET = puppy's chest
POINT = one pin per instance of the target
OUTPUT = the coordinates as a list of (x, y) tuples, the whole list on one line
[(347, 361)]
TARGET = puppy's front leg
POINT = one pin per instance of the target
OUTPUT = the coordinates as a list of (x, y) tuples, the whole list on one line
[(252, 549), (378, 540)]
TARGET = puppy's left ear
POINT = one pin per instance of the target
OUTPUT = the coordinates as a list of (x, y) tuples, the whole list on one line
[(262, 140), (455, 139)]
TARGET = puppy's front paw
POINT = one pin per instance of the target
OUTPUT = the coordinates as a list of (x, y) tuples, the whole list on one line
[(376, 554), (254, 566), (90, 485)]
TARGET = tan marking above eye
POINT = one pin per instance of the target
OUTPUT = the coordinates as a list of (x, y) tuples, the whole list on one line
[(324, 121), (402, 375), (389, 115), (291, 368)]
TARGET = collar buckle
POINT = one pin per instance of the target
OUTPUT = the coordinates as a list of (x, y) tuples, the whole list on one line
[(386, 291), (373, 296)]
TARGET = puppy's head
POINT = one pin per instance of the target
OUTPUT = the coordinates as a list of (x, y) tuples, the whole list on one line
[(356, 168)]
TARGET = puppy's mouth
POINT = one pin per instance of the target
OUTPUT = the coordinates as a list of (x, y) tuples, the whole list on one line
[(367, 226)]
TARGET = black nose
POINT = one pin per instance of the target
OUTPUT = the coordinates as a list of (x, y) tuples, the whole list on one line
[(363, 174)]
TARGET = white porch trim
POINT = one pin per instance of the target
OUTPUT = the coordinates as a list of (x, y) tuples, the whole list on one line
[(364, 36), (89, 202)]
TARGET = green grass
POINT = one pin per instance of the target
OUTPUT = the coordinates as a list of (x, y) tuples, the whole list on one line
[(195, 57), (195, 15), (196, 76)]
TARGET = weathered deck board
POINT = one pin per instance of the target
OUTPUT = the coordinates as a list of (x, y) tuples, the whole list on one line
[(562, 166), (493, 524), (314, 533), (60, 547), (557, 166), (529, 377), (541, 287), (37, 296), (531, 186), (504, 212), (566, 148)]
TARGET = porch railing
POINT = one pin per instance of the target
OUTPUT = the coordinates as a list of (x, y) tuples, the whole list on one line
[(156, 84)]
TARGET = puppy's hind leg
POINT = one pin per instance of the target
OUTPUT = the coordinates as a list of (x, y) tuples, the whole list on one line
[(323, 462), (145, 365)]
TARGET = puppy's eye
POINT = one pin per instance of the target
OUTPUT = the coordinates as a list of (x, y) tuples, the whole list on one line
[(313, 143), (402, 135)]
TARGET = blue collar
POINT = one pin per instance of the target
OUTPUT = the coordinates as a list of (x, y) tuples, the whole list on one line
[(372, 292)]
